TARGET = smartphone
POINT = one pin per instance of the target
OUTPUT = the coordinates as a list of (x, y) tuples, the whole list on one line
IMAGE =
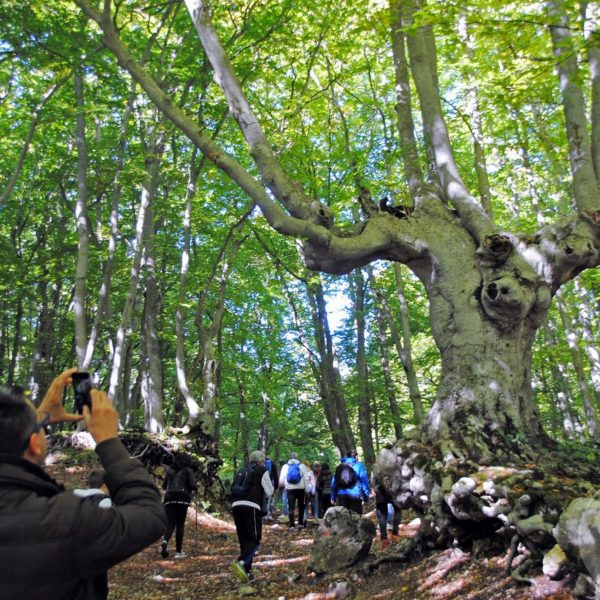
[(82, 385)]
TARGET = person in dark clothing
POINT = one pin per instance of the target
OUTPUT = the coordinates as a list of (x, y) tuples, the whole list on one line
[(180, 484), (324, 489), (247, 516), (54, 544), (382, 501)]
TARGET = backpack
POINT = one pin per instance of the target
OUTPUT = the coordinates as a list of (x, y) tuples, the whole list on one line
[(269, 466), (345, 476), (294, 475), (241, 482), (325, 483)]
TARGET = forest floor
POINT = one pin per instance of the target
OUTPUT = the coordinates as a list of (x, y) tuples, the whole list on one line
[(281, 568)]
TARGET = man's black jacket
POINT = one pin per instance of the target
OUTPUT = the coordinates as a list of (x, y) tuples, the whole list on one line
[(55, 545)]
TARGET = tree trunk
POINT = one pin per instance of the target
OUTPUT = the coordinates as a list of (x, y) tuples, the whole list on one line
[(152, 380), (365, 425), (243, 422), (332, 396), (586, 316), (589, 405), (385, 360), (81, 218), (405, 349)]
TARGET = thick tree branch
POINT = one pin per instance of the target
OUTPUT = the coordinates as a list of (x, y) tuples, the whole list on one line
[(404, 116), (12, 182), (287, 191), (326, 251), (585, 186), (469, 210)]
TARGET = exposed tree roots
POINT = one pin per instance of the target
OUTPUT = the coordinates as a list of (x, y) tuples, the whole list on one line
[(515, 508)]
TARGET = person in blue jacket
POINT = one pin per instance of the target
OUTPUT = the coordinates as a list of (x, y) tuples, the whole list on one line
[(350, 497)]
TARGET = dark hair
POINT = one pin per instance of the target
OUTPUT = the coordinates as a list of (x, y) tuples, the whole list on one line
[(17, 421), (351, 454), (96, 478)]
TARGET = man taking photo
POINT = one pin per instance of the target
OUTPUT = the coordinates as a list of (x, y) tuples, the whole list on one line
[(54, 544)]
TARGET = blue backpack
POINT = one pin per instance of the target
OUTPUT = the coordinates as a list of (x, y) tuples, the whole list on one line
[(294, 475), (269, 466)]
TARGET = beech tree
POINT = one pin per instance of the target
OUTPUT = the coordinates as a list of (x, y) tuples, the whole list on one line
[(489, 289)]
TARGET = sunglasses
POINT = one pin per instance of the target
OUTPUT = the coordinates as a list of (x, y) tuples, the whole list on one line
[(43, 424)]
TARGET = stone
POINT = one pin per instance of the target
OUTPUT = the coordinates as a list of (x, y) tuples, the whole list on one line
[(343, 538), (578, 533), (554, 560)]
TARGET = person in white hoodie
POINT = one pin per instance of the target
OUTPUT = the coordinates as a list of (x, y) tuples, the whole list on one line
[(294, 479)]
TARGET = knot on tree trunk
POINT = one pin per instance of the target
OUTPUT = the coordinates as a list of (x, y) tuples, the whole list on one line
[(494, 250)]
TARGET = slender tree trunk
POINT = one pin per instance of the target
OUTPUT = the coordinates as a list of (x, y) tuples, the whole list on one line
[(191, 402), (104, 293), (365, 424), (589, 404), (152, 380), (560, 386), (405, 349), (116, 374), (263, 432), (12, 364), (81, 217), (385, 361), (243, 422), (586, 316), (590, 14), (334, 403)]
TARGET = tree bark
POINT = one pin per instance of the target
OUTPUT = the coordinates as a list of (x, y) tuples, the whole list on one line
[(151, 371), (81, 218), (365, 424)]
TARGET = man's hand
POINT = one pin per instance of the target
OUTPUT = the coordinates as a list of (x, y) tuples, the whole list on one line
[(103, 420), (52, 402)]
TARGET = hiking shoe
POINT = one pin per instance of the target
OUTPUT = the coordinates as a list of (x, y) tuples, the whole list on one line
[(291, 528), (250, 577), (181, 554), (238, 569), (163, 549)]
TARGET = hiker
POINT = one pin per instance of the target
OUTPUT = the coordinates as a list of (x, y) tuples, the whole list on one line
[(350, 483), (383, 503), (54, 544), (97, 491), (314, 501), (251, 486), (324, 489), (272, 470), (311, 491), (293, 478), (284, 497), (180, 485)]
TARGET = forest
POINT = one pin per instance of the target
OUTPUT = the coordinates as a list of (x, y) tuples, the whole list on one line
[(317, 227)]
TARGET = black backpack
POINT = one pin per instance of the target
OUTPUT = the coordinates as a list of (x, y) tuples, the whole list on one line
[(241, 482), (345, 476)]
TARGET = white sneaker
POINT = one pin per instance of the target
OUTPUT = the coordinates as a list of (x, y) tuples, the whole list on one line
[(180, 555)]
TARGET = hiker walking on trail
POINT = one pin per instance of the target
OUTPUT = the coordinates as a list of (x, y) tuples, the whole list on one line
[(250, 488), (293, 477), (383, 502), (272, 470), (324, 489), (180, 484), (350, 484)]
